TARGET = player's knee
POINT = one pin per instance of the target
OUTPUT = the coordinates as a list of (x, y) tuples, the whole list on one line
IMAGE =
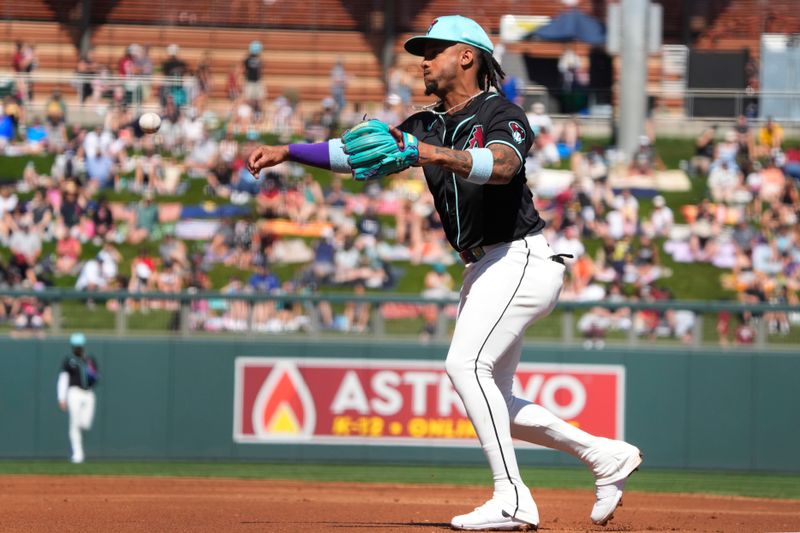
[(458, 368)]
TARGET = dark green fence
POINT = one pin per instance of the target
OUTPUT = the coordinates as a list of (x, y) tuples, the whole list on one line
[(70, 312), (172, 398)]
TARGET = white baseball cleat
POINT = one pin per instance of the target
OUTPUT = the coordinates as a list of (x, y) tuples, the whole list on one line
[(491, 516), (609, 489)]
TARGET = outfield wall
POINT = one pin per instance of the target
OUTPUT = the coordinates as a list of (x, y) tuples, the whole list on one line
[(188, 399)]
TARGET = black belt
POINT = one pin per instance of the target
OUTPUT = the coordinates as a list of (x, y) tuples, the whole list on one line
[(473, 255)]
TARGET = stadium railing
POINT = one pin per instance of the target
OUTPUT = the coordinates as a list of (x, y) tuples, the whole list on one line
[(566, 310)]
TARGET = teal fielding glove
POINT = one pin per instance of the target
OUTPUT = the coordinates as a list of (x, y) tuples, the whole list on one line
[(373, 151)]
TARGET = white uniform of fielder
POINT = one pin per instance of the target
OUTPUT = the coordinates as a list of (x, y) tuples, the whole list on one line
[(75, 395)]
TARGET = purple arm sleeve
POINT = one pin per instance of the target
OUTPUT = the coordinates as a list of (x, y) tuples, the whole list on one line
[(316, 155)]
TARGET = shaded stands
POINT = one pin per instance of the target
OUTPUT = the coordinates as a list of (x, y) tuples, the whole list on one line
[(740, 24), (298, 60), (309, 14)]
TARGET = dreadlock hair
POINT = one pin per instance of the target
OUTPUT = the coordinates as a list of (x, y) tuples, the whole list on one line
[(489, 72)]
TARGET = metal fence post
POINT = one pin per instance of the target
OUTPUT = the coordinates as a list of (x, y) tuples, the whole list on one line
[(761, 332), (121, 322), (56, 317), (251, 309), (441, 323), (568, 327), (378, 324), (313, 317), (697, 330), (184, 318), (633, 339)]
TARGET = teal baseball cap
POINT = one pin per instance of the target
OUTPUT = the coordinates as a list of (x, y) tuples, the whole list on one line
[(77, 339), (453, 28)]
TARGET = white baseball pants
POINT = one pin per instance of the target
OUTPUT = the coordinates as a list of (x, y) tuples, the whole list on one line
[(80, 405), (512, 286)]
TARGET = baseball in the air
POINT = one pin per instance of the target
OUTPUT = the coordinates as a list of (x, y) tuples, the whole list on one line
[(150, 122)]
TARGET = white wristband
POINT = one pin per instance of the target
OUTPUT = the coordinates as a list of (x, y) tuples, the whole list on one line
[(482, 165), (337, 156)]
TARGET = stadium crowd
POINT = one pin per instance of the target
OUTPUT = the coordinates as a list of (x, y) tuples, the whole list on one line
[(746, 225)]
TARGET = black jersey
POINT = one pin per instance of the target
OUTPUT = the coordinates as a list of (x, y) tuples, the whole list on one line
[(252, 67), (475, 215), (82, 371)]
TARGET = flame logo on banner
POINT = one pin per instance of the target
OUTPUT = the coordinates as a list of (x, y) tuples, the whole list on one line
[(284, 408)]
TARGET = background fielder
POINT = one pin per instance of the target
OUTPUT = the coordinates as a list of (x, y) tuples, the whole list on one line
[(471, 146), (75, 395)]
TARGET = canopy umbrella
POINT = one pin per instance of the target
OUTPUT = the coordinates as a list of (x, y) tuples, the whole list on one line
[(572, 25)]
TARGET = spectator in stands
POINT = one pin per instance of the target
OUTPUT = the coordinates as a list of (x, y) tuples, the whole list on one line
[(126, 66), (233, 82), (218, 250), (8, 198), (310, 203), (744, 136), (13, 116), (369, 224), (203, 80), (661, 219), (149, 170), (174, 68), (73, 205), (202, 157), (100, 272), (144, 66), (100, 171), (145, 220), (41, 213), (30, 315), (254, 90), (84, 73), (704, 151), (538, 118), (595, 324), (24, 62), (568, 65), (142, 279), (544, 148), (339, 79), (770, 138), (264, 281), (569, 242), (399, 82), (172, 250), (704, 230), (68, 252), (169, 280), (644, 161), (723, 180), (103, 220), (25, 246)]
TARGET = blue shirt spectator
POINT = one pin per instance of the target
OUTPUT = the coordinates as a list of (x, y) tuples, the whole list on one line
[(100, 169), (264, 281)]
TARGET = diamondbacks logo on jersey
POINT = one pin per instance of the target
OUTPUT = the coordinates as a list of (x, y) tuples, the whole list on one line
[(517, 131), (475, 139)]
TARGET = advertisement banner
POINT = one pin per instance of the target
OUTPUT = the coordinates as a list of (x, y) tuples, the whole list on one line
[(400, 402)]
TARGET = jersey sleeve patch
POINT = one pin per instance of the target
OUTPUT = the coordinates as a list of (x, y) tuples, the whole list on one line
[(517, 131)]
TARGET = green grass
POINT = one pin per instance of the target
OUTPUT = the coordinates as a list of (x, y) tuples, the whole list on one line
[(728, 483)]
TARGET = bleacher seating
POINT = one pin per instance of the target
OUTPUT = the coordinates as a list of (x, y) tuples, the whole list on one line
[(303, 40)]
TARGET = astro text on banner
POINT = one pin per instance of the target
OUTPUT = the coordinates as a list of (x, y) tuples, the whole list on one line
[(400, 402)]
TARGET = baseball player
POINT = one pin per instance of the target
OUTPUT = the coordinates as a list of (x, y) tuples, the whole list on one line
[(75, 382), (472, 146)]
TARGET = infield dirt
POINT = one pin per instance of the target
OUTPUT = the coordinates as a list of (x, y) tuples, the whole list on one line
[(122, 504)]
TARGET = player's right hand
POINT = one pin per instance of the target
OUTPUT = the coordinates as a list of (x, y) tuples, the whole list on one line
[(266, 156), (62, 406)]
